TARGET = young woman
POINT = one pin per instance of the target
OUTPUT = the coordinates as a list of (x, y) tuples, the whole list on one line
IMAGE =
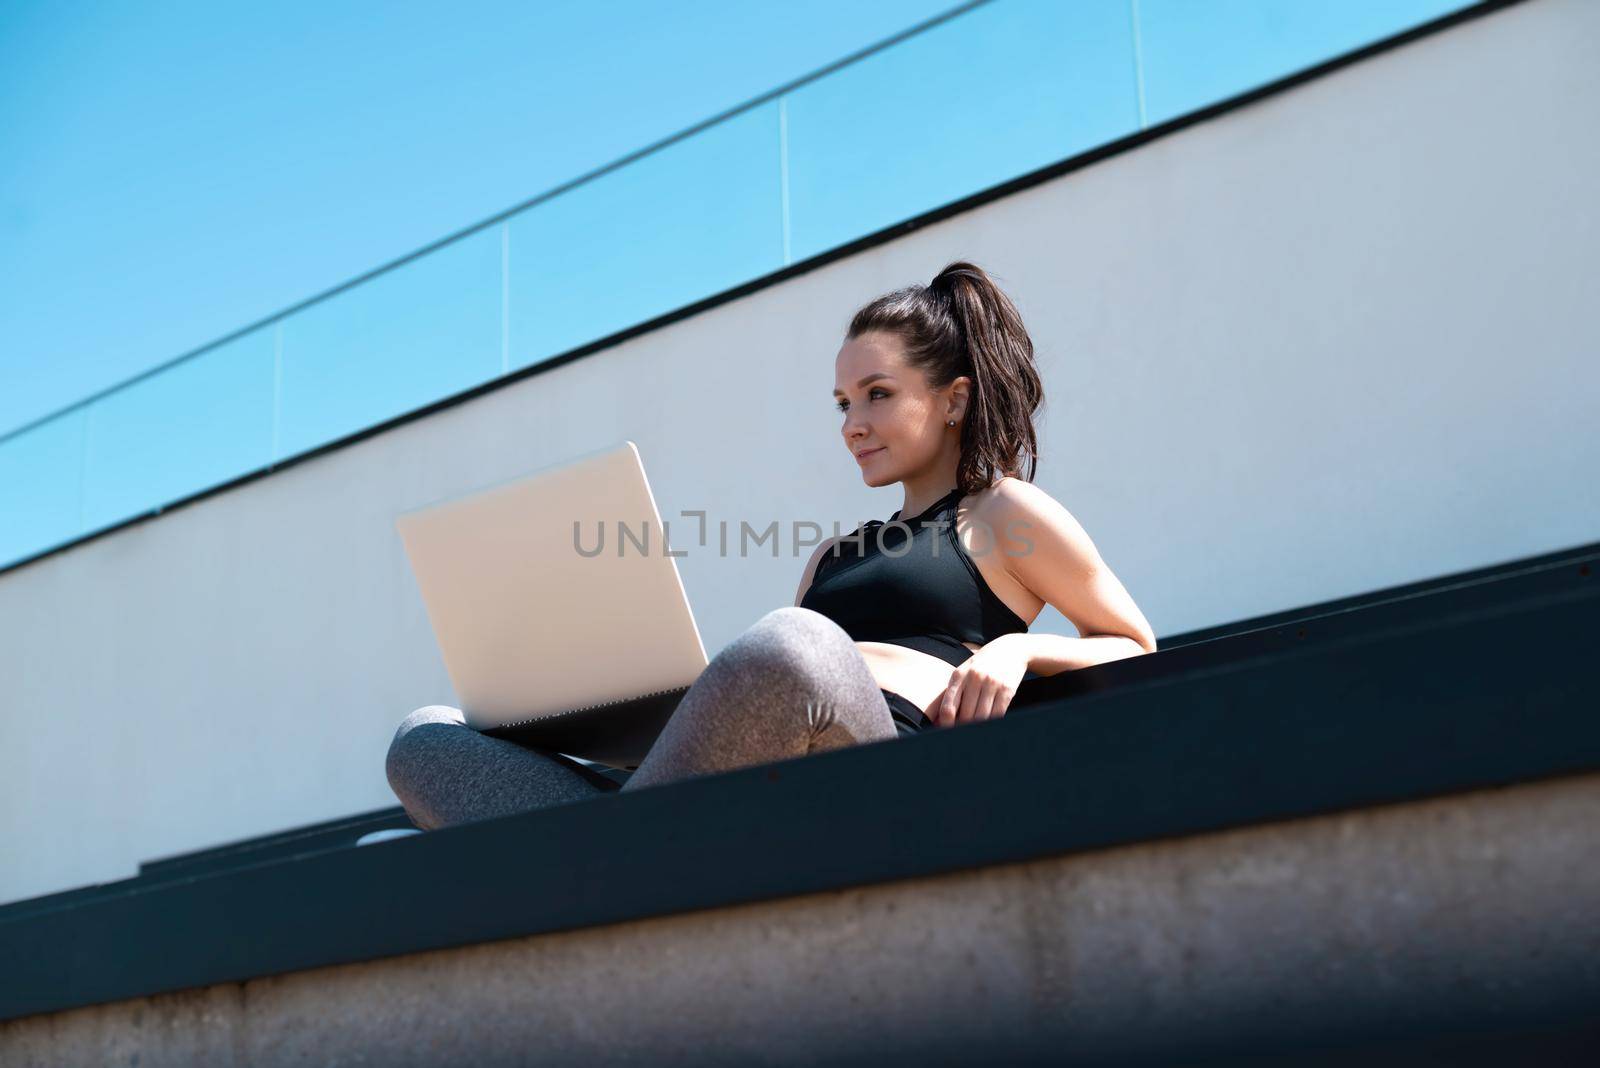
[(900, 626)]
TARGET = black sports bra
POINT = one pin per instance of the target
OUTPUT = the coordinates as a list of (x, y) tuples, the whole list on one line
[(920, 590)]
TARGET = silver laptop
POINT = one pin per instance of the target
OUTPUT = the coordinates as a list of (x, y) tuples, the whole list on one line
[(562, 619)]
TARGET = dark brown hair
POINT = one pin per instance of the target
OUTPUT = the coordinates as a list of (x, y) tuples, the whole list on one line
[(962, 324)]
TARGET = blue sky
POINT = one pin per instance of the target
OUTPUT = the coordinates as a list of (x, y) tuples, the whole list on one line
[(171, 172)]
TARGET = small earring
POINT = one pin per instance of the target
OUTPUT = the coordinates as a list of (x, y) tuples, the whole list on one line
[(951, 422)]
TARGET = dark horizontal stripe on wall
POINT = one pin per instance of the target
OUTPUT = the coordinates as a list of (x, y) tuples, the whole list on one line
[(869, 241), (308, 838), (1547, 580), (1483, 688), (1580, 557)]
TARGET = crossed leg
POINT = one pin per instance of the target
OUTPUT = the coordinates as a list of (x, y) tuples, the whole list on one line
[(792, 684)]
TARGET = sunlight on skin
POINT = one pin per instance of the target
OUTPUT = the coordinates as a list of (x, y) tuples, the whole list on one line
[(1028, 548)]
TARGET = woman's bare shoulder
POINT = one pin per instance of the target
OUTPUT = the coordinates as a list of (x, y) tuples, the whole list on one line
[(1010, 498)]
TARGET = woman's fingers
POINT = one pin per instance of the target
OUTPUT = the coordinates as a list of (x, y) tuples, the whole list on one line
[(971, 694), (999, 700), (984, 709), (970, 697), (974, 684), (950, 701)]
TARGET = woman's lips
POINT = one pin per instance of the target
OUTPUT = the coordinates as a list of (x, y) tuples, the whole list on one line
[(863, 457)]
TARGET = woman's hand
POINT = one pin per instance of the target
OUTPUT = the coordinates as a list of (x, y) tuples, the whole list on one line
[(983, 686)]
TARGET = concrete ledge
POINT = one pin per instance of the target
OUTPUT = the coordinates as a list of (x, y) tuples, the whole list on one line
[(1477, 913)]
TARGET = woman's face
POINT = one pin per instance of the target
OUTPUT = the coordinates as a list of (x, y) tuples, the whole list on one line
[(894, 424)]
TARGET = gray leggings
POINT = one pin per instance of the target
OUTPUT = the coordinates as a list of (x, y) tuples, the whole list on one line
[(793, 683)]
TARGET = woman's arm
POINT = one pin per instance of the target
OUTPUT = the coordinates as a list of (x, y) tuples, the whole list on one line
[(1049, 552), (1051, 654)]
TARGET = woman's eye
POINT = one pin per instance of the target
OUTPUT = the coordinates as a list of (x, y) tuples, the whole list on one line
[(871, 395)]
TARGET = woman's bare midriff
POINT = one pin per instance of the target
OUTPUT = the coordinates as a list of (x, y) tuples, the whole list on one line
[(920, 677)]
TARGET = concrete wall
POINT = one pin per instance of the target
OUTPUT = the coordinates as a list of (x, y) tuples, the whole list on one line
[(1479, 911), (1326, 343)]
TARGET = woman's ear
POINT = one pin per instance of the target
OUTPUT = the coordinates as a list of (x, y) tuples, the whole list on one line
[(960, 393)]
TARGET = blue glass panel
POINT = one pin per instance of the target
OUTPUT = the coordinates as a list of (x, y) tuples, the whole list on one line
[(991, 94), (395, 343), (193, 425), (41, 485), (1195, 54), (685, 222)]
